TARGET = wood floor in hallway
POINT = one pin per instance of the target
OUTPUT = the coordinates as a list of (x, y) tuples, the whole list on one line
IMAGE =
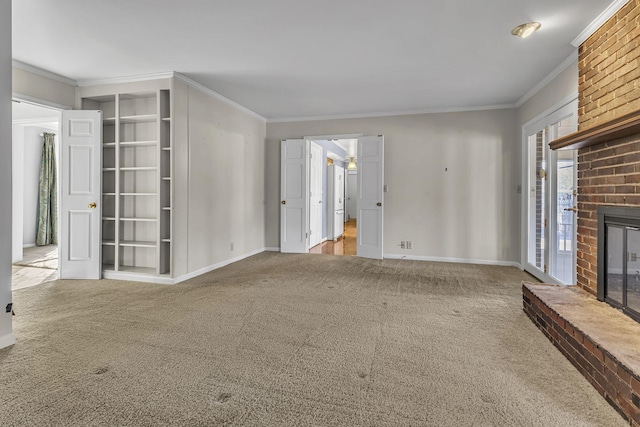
[(345, 246)]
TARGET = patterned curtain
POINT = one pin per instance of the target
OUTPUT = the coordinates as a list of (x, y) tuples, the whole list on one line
[(47, 231)]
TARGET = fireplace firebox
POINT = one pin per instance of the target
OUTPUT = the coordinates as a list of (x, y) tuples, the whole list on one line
[(619, 258)]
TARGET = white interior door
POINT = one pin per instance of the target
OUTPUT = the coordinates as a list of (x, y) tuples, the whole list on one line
[(369, 197), (316, 164), (80, 195), (294, 202), (352, 185)]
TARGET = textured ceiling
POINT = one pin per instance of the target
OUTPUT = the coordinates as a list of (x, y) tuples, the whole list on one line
[(293, 58)]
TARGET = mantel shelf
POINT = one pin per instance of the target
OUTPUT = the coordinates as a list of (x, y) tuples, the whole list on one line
[(626, 125)]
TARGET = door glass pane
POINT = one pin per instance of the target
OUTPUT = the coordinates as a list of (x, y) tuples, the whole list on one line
[(633, 269), (562, 252), (615, 256), (537, 219), (563, 267)]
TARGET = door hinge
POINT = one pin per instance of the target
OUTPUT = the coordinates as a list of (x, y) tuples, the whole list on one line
[(545, 222), (306, 235), (545, 268)]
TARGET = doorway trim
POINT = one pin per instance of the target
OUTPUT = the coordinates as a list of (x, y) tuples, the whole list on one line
[(544, 119), (57, 108)]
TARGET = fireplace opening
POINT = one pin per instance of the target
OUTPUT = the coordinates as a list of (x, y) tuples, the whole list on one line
[(619, 258)]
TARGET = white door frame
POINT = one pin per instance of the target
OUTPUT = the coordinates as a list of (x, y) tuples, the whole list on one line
[(542, 121), (316, 206), (58, 108)]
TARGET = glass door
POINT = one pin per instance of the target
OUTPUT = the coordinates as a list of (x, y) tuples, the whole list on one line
[(551, 199)]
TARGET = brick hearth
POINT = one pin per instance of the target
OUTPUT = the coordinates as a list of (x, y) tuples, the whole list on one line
[(602, 343)]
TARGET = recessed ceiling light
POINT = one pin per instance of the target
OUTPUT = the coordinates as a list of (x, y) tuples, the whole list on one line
[(525, 30)]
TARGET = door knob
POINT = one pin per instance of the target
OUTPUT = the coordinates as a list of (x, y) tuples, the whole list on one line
[(573, 209), (92, 205), (284, 202), (378, 204)]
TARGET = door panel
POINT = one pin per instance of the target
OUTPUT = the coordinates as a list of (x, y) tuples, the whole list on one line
[(551, 199), (294, 197), (80, 188), (370, 197), (315, 195)]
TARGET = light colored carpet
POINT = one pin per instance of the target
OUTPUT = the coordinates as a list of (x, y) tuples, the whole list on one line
[(308, 340)]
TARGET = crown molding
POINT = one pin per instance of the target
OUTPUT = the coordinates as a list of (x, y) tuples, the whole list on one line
[(545, 81), (186, 80), (598, 22), (392, 113), (44, 73), (127, 79)]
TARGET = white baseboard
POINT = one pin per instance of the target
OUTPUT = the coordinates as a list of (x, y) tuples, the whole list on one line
[(454, 260), (7, 340), (29, 245), (272, 249), (216, 266), (137, 277)]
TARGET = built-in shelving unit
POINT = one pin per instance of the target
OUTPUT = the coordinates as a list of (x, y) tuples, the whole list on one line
[(137, 170)]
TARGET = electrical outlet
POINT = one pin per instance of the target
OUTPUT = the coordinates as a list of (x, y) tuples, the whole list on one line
[(409, 244), (403, 245)]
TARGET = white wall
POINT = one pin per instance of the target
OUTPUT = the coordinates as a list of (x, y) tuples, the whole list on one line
[(43, 88), (219, 184), (17, 185), (6, 335), (468, 212), (562, 86)]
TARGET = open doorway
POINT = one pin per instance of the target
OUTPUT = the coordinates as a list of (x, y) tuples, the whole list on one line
[(295, 189), (35, 131), (338, 226)]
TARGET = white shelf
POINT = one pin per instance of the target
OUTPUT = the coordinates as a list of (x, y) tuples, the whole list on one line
[(166, 148), (108, 194), (138, 244), (109, 144), (141, 118), (138, 194), (166, 208), (166, 119), (108, 120), (166, 240), (166, 178), (138, 143), (108, 243), (138, 219), (139, 168), (108, 169), (108, 218)]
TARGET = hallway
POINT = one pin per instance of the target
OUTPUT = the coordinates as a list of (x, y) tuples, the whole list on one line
[(345, 246)]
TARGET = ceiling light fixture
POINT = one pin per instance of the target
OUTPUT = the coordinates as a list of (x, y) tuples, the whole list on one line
[(352, 164), (525, 30)]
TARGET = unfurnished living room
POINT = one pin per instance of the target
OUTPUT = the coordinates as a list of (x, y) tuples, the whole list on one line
[(320, 213)]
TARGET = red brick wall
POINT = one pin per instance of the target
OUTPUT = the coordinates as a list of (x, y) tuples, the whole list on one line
[(609, 68), (608, 173)]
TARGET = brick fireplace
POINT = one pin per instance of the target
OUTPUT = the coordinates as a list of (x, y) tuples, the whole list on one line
[(601, 342)]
